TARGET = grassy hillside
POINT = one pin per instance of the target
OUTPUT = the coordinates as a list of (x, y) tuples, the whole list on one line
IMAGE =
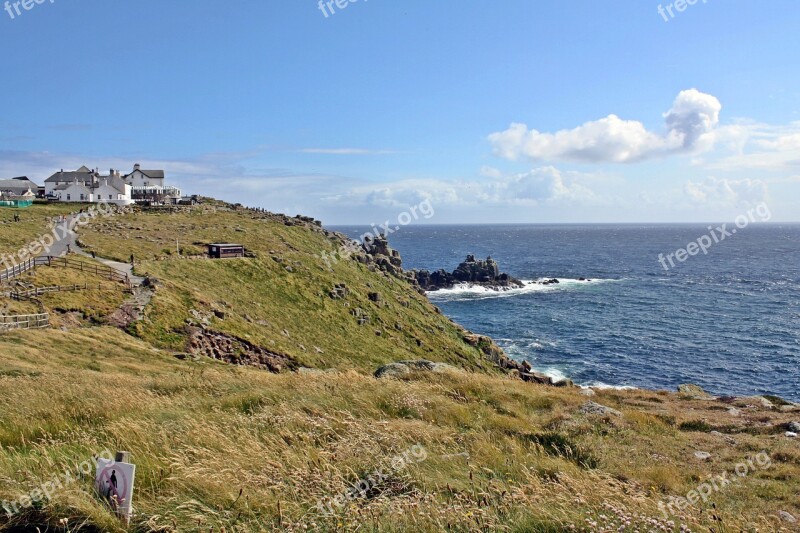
[(279, 299), (230, 447)]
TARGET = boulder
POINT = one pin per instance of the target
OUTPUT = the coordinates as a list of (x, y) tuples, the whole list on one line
[(536, 377), (702, 456), (695, 391), (592, 408), (787, 517), (392, 370), (793, 427), (403, 368), (428, 366)]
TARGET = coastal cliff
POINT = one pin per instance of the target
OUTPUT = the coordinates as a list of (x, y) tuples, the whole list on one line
[(255, 393)]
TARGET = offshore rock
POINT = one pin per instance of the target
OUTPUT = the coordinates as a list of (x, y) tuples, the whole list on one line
[(485, 273)]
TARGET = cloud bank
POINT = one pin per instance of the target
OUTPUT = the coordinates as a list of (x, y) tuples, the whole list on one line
[(689, 127)]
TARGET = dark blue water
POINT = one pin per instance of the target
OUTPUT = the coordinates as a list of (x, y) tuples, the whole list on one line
[(728, 321)]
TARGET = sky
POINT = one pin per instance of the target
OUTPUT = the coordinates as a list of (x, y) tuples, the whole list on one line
[(520, 111)]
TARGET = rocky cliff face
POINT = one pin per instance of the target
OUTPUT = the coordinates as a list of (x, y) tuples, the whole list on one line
[(474, 271)]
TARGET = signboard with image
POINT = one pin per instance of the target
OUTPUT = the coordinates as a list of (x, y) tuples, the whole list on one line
[(114, 483)]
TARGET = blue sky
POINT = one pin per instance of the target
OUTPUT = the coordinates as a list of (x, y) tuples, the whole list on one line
[(513, 111)]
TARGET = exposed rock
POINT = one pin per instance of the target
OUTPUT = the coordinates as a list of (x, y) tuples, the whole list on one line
[(787, 517), (793, 426), (702, 456), (763, 402), (536, 377), (592, 408), (235, 350), (694, 391), (588, 392), (309, 371), (376, 251), (339, 291), (403, 368), (791, 434), (477, 272), (392, 370)]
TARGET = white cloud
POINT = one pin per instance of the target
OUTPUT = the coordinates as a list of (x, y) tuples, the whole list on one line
[(490, 172), (539, 186), (726, 193), (690, 125)]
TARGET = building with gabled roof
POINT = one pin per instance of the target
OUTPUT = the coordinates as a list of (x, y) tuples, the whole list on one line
[(88, 186)]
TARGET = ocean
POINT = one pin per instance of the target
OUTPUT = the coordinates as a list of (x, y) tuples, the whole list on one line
[(728, 320)]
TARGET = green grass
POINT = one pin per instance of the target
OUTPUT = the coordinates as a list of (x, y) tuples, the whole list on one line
[(234, 448), (289, 312)]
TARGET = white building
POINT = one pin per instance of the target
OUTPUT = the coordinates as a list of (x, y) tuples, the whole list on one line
[(88, 186), (149, 187)]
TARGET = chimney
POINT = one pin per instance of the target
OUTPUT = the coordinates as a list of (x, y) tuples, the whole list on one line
[(136, 166)]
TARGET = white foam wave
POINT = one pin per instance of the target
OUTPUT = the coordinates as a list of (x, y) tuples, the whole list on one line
[(605, 386), (470, 290)]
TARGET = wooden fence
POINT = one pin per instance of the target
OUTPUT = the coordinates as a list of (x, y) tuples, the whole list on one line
[(33, 293), (38, 321), (17, 270), (64, 262)]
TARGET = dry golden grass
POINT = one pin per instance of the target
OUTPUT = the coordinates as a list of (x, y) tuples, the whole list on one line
[(228, 448), (245, 450), (92, 303)]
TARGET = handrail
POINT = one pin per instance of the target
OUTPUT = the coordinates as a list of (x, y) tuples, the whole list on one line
[(37, 321), (30, 264), (38, 291)]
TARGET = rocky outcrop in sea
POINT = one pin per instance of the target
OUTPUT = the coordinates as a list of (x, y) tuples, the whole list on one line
[(485, 273)]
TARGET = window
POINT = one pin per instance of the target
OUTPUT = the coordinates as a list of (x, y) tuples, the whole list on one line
[(68, 197), (109, 197)]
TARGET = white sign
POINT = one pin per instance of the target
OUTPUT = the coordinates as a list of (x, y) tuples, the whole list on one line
[(114, 482)]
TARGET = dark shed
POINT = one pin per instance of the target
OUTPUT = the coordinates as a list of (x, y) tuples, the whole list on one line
[(224, 251)]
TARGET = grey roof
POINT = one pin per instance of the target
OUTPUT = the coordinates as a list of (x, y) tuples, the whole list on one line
[(70, 176), (154, 174), (18, 185), (113, 181)]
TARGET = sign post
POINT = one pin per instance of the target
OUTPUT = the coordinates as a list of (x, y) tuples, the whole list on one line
[(114, 483)]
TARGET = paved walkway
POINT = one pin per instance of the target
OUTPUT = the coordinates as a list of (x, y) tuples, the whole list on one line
[(132, 309), (69, 243)]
